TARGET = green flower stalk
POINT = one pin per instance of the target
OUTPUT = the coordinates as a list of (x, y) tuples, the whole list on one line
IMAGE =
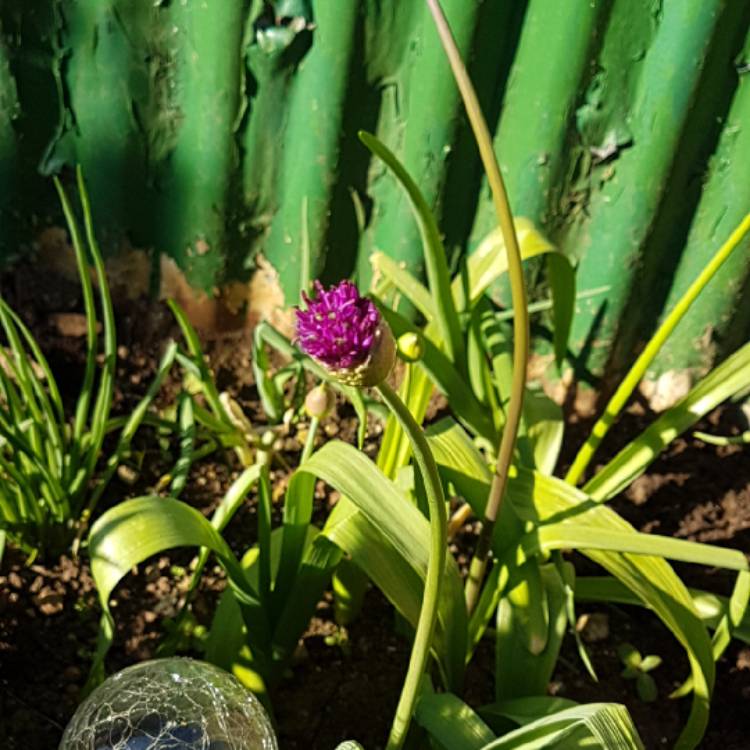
[(319, 403), (521, 333), (346, 333)]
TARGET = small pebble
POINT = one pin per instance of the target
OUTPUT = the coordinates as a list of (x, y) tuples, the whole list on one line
[(15, 580), (593, 627)]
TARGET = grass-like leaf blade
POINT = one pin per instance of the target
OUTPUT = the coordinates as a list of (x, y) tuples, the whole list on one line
[(436, 263), (730, 377)]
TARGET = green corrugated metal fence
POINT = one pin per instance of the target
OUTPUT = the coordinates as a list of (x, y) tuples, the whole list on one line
[(214, 130)]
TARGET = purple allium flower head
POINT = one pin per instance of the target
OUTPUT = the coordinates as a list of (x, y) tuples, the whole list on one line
[(338, 327), (345, 332)]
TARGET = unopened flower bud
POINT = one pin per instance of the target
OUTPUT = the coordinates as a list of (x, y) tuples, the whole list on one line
[(320, 401), (410, 346)]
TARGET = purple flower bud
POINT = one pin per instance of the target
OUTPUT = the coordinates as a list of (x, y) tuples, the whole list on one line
[(346, 333)]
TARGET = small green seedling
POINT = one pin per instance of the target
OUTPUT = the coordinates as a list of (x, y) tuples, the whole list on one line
[(637, 668)]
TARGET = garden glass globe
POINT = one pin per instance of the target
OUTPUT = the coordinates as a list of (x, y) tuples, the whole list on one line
[(170, 704)]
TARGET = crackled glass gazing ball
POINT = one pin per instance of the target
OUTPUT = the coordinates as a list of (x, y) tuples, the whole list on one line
[(170, 704)]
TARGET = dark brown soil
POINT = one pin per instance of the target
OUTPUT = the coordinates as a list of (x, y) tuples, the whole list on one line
[(345, 682)]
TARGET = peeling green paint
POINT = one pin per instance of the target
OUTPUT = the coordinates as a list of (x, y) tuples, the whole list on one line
[(625, 193), (212, 132), (424, 112), (96, 126), (309, 165), (535, 138), (719, 321)]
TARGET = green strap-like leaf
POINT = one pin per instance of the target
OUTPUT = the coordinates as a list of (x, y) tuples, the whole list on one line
[(406, 283), (395, 449), (603, 726), (651, 577), (84, 398), (729, 378), (576, 534), (187, 429), (455, 726), (527, 642), (103, 401), (447, 379), (542, 500), (226, 645), (196, 352), (271, 395), (711, 608), (490, 261), (133, 531), (451, 722), (131, 426), (47, 390), (562, 281), (522, 711), (298, 508), (388, 537), (319, 561), (435, 260)]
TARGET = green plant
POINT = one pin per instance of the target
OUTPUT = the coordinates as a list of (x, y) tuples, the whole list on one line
[(498, 451), (278, 582), (278, 600), (530, 723), (637, 668), (50, 470), (531, 588), (223, 424)]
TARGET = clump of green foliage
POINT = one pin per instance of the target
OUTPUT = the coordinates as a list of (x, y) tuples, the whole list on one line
[(51, 473)]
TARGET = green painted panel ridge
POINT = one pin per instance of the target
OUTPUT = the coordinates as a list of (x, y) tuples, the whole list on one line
[(310, 161), (719, 320), (626, 193)]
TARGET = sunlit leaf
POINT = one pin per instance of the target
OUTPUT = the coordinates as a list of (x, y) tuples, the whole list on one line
[(543, 500), (408, 284), (447, 379), (134, 530), (730, 377), (711, 608), (388, 537), (436, 264), (452, 723), (490, 261), (595, 725)]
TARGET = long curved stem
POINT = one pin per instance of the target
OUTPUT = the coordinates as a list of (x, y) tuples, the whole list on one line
[(436, 565), (520, 306)]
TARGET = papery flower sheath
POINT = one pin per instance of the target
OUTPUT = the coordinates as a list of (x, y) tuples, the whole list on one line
[(345, 332)]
